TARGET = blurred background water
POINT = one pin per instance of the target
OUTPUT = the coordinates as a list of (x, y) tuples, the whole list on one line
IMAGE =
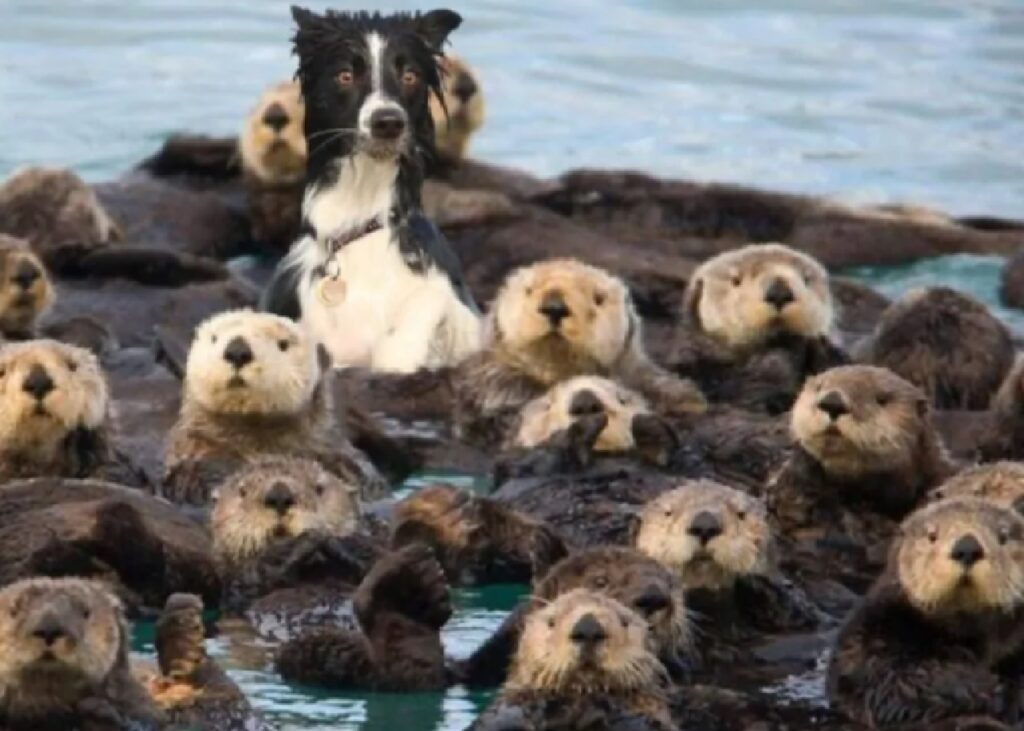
[(862, 100)]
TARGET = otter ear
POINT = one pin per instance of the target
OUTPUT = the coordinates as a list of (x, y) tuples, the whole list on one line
[(691, 300), (323, 358), (435, 26)]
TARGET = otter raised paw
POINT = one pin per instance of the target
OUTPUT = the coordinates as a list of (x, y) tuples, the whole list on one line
[(940, 634), (26, 292)]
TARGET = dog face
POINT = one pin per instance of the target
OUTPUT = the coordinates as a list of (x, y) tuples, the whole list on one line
[(272, 144), (366, 80)]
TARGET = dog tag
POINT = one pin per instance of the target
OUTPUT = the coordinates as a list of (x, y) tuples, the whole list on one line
[(331, 291)]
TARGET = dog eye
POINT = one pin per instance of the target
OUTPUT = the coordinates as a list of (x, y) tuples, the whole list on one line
[(346, 77), (410, 78), (599, 299), (283, 345)]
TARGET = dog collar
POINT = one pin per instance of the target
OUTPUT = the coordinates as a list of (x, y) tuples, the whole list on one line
[(337, 242)]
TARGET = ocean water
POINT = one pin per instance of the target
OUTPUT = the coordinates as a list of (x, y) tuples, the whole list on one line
[(861, 100)]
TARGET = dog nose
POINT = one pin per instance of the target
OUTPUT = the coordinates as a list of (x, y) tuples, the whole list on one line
[(48, 629), (275, 117), (585, 403), (238, 353), (967, 551), (554, 308), (778, 294), (833, 404), (279, 498), (26, 274), (588, 631), (38, 383), (387, 124), (705, 526), (652, 600), (465, 87)]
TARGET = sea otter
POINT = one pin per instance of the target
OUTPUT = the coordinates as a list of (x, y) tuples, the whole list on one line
[(459, 111), (26, 292), (999, 482)]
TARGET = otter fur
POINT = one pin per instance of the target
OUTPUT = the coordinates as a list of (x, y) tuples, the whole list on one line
[(459, 111), (26, 292), (1001, 483)]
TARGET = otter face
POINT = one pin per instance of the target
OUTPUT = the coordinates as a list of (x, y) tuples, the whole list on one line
[(462, 113), (272, 144), (1001, 483), (60, 637), (708, 534), (278, 497), (246, 362), (26, 292), (567, 310), (581, 396), (858, 419), (48, 389), (584, 641), (743, 298), (962, 555)]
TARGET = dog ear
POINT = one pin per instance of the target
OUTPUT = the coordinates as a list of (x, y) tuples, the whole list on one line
[(435, 26), (303, 17), (691, 300)]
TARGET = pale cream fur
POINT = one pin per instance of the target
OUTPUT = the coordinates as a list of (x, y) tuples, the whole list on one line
[(275, 156), (454, 130)]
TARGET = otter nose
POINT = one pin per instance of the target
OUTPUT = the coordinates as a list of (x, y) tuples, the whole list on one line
[(967, 551), (48, 629), (238, 353), (833, 404), (652, 600), (588, 631), (275, 117), (778, 294), (279, 498), (585, 403), (26, 274), (705, 526), (38, 383), (465, 87), (387, 124), (554, 308)]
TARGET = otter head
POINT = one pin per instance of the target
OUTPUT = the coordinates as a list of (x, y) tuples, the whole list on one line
[(48, 390), (962, 556), (280, 497), (585, 642), (577, 397), (746, 297), (252, 363), (26, 292), (1001, 483), (857, 420), (563, 317), (708, 534), (1008, 402), (272, 144), (459, 111), (61, 640)]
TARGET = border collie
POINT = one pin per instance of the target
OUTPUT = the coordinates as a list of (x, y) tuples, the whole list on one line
[(370, 276)]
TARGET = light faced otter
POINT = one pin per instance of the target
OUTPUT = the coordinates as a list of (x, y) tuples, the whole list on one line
[(1001, 483), (55, 415), (552, 321), (946, 343), (940, 634), (255, 384), (757, 322), (26, 292), (584, 660), (866, 453), (459, 112), (65, 660)]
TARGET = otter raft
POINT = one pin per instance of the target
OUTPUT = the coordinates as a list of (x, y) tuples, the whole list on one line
[(505, 368)]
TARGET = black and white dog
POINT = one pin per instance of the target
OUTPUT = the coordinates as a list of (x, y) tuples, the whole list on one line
[(371, 277)]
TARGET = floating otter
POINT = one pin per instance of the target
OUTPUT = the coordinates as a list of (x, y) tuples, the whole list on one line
[(946, 343), (584, 660), (459, 111), (254, 385), (866, 454), (940, 634), (998, 433), (1001, 483), (26, 292), (478, 540), (65, 660), (757, 322), (552, 321)]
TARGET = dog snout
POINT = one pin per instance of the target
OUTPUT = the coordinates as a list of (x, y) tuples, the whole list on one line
[(387, 124)]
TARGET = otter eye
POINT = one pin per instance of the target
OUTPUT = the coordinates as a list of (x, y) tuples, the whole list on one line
[(72, 366), (346, 77), (737, 280), (213, 339), (551, 623), (86, 613), (410, 78), (529, 291), (283, 345), (668, 513), (625, 622), (600, 582), (1004, 535), (243, 493), (933, 535), (320, 490), (3, 372), (741, 514), (883, 398), (599, 298)]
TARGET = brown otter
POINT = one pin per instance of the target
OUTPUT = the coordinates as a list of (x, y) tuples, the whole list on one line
[(65, 660), (866, 454), (478, 540), (945, 342), (255, 384), (26, 292), (940, 635), (757, 322), (1001, 483), (551, 321), (583, 661), (56, 419), (459, 112), (999, 432)]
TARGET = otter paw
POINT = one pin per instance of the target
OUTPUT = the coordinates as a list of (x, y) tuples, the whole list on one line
[(409, 582), (180, 636), (582, 435), (655, 439), (329, 658), (684, 397)]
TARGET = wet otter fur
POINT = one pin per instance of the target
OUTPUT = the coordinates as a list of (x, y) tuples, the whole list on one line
[(999, 434), (552, 321), (945, 342), (583, 661), (26, 292), (460, 110), (1001, 483), (940, 634)]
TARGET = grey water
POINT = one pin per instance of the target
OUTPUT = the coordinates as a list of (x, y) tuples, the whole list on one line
[(861, 100)]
